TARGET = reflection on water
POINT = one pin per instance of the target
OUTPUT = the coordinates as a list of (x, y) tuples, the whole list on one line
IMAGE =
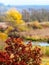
[(40, 43)]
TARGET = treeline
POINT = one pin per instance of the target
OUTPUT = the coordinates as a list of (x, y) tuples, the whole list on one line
[(30, 15), (35, 14)]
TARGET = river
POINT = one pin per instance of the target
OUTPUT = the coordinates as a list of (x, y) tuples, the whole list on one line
[(39, 43)]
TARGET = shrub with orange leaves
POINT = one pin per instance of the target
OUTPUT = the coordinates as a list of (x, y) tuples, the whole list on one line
[(21, 54)]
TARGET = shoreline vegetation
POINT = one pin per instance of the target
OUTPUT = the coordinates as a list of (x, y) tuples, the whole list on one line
[(35, 35), (29, 30), (39, 39)]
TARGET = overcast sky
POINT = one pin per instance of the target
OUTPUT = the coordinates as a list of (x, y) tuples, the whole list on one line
[(25, 2)]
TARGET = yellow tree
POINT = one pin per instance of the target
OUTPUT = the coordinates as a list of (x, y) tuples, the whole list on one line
[(14, 14), (15, 17)]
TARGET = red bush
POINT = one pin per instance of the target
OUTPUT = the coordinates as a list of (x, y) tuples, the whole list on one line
[(20, 54)]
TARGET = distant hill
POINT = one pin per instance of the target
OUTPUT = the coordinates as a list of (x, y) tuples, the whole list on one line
[(4, 8), (29, 7)]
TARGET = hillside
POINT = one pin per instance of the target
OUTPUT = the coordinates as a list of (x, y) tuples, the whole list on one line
[(20, 7)]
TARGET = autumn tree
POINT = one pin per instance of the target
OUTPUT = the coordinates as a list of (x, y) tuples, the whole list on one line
[(15, 18)]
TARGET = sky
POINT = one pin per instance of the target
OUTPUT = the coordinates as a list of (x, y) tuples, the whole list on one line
[(25, 2)]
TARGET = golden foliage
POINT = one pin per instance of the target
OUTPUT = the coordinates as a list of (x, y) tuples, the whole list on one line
[(14, 14), (15, 17), (36, 23), (8, 29), (20, 22), (3, 36)]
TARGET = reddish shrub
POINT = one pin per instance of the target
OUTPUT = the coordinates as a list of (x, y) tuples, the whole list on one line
[(20, 54)]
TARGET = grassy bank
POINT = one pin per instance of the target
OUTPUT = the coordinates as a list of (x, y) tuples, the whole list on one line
[(37, 39)]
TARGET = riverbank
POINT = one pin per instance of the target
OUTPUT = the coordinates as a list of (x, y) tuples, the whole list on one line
[(36, 34)]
